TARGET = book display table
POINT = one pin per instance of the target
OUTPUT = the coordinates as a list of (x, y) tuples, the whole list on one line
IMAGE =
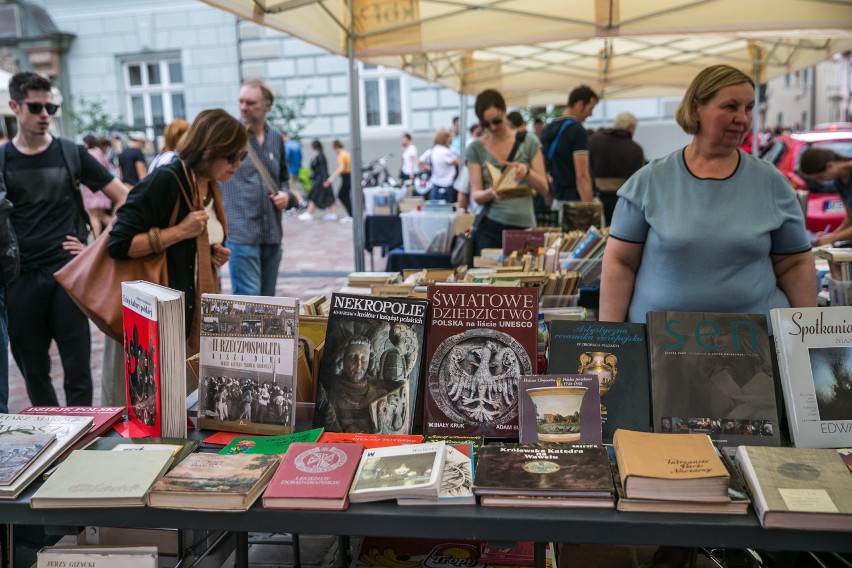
[(471, 522)]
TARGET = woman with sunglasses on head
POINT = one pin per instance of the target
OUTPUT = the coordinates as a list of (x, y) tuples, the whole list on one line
[(209, 153), (501, 146), (827, 165)]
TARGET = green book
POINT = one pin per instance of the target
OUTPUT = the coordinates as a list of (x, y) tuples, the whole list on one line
[(112, 443), (270, 445)]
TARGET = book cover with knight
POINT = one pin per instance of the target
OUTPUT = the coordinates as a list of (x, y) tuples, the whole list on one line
[(372, 360), (248, 363)]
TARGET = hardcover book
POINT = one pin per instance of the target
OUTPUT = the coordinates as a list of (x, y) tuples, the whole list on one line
[(103, 417), (578, 215), (456, 479), (481, 339), (370, 440), (798, 488), (213, 482), (18, 451), (154, 359), (312, 331), (543, 470), (660, 466), (503, 181), (98, 556), (814, 347), (102, 479), (67, 430), (522, 241), (371, 365), (248, 363), (711, 373), (270, 445), (427, 553), (560, 409), (180, 447), (615, 352), (399, 471), (314, 476)]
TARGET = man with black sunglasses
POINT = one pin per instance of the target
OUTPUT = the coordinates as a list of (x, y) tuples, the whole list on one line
[(43, 175)]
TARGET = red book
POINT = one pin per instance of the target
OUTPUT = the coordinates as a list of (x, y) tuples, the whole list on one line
[(103, 417), (370, 441), (314, 476), (522, 241)]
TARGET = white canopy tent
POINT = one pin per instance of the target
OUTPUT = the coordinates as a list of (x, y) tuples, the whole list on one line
[(535, 52)]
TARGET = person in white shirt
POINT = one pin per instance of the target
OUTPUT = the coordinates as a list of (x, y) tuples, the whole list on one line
[(443, 162), (409, 158)]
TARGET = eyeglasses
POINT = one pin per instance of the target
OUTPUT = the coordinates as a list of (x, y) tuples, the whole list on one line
[(35, 108), (238, 157), (495, 122)]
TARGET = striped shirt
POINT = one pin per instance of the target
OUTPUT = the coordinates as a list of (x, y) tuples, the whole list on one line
[(252, 217)]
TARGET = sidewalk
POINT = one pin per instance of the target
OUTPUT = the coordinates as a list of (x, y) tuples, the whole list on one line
[(317, 257)]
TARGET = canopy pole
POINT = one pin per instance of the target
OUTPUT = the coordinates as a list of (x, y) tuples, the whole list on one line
[(462, 128), (755, 122), (358, 238)]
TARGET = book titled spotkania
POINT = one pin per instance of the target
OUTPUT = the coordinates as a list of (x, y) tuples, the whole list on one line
[(371, 365), (481, 339)]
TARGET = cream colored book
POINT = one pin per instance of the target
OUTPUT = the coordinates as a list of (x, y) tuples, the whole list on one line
[(503, 181), (102, 479), (98, 556)]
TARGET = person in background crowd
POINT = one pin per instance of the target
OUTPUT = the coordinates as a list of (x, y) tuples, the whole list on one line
[(293, 151), (10, 266), (131, 162), (569, 168), (210, 153), (826, 165), (614, 157), (344, 172), (517, 121), (172, 134), (462, 183), (253, 209), (320, 196), (409, 158), (50, 226), (495, 146), (455, 130), (538, 127), (97, 204), (442, 162)]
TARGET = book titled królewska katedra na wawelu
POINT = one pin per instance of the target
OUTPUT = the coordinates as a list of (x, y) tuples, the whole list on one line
[(711, 373), (814, 347), (798, 488), (481, 339), (247, 379), (154, 358), (370, 374)]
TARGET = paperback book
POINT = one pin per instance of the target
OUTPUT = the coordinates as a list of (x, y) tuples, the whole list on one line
[(314, 476), (814, 347), (370, 440), (481, 339), (711, 373), (180, 447), (617, 354), (560, 409), (154, 359), (270, 445), (456, 479), (371, 366), (399, 471), (248, 363)]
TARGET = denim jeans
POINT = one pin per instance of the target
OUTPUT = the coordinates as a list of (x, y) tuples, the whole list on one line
[(254, 269), (4, 355)]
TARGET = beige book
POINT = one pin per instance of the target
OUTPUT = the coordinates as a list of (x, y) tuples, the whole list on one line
[(98, 556), (503, 181)]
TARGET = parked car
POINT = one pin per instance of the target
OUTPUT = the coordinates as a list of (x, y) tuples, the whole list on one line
[(825, 210)]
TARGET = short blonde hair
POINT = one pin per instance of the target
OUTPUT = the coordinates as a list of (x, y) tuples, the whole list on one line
[(441, 136), (704, 87), (625, 120), (213, 134)]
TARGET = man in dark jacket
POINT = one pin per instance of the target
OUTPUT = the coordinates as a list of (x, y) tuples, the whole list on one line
[(614, 157)]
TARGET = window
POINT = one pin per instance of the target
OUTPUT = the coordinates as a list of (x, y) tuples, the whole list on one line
[(382, 96), (154, 91)]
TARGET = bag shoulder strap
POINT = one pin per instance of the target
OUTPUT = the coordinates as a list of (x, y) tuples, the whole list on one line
[(551, 149), (261, 169), (520, 136)]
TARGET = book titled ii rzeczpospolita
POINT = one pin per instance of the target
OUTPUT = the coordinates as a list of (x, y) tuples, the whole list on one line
[(814, 348), (481, 339), (711, 373), (371, 365), (248, 363)]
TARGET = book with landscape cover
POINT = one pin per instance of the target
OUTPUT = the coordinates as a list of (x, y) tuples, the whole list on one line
[(798, 488), (544, 470), (180, 447), (711, 373), (66, 429), (559, 409), (154, 359), (665, 467), (248, 363), (102, 479), (270, 445), (314, 476), (481, 339), (399, 471), (371, 366), (18, 450), (370, 440), (213, 482), (97, 556), (456, 479), (814, 347), (617, 354), (103, 417)]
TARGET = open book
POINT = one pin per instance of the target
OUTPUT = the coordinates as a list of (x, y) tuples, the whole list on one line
[(503, 181)]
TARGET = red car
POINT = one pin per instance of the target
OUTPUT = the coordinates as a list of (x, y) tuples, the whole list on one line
[(825, 208)]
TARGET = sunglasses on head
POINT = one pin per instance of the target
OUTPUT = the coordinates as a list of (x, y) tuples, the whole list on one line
[(35, 108), (238, 157), (495, 122)]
